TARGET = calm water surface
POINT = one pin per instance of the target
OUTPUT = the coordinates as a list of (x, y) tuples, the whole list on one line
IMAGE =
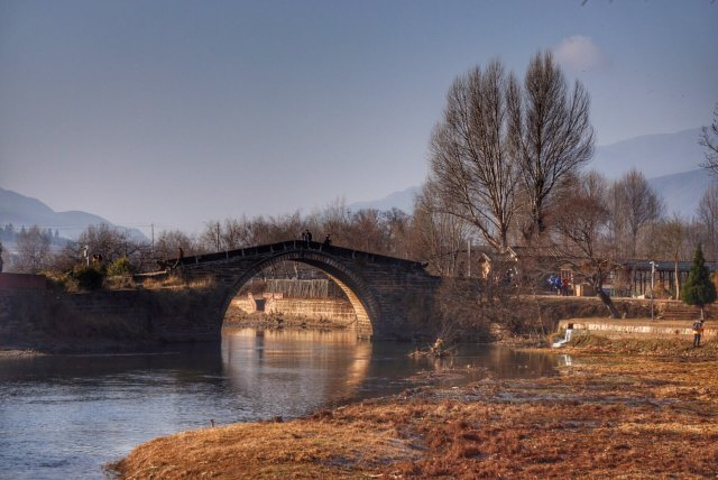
[(65, 416)]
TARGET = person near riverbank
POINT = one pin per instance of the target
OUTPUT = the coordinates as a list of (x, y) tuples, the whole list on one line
[(697, 332)]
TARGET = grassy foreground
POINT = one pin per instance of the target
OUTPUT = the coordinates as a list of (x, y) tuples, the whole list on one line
[(621, 410)]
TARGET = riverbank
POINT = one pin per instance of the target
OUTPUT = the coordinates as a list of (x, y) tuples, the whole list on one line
[(618, 409), (277, 321), (12, 353)]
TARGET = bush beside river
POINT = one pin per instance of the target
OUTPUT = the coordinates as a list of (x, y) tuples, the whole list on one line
[(619, 409)]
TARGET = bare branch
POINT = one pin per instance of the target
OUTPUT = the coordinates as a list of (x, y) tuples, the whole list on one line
[(553, 136), (709, 141)]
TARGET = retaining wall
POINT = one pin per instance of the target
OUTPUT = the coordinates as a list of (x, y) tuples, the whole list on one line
[(638, 328), (335, 310)]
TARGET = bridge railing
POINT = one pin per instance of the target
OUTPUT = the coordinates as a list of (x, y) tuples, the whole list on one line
[(288, 245)]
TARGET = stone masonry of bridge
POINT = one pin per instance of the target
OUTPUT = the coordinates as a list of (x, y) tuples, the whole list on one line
[(393, 298)]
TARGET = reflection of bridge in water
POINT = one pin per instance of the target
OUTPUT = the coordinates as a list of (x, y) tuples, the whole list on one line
[(304, 368), (392, 297)]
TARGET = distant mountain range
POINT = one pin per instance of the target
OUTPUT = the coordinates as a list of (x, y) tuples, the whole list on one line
[(20, 211), (670, 162), (655, 155)]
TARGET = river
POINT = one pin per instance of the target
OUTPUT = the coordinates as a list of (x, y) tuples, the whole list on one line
[(65, 416)]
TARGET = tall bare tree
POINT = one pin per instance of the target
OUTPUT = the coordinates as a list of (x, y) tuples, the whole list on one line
[(583, 229), (472, 168), (397, 225), (634, 205), (236, 233), (672, 244), (552, 136), (708, 215), (438, 236), (709, 141), (212, 238)]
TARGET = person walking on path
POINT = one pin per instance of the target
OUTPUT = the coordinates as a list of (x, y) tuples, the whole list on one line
[(697, 332)]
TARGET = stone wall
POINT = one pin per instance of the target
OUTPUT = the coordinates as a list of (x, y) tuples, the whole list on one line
[(19, 280), (334, 310), (637, 328), (51, 320)]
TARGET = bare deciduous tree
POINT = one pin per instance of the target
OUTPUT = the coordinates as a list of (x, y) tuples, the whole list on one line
[(170, 241), (472, 169), (634, 205), (583, 229), (110, 242), (708, 215), (502, 146), (397, 226), (211, 238), (552, 137), (236, 233), (438, 236), (33, 250), (671, 244), (709, 141)]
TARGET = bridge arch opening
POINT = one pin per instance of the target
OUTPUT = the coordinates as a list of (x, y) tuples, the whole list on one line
[(358, 294)]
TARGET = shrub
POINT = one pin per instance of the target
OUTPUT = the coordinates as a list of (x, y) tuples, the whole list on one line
[(87, 278), (119, 267)]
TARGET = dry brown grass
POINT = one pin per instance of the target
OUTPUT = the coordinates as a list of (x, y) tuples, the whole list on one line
[(611, 416), (315, 448), (174, 281)]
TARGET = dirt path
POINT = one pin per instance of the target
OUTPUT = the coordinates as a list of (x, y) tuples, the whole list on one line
[(618, 414)]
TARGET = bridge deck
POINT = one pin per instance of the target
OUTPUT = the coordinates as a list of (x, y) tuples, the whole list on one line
[(290, 246)]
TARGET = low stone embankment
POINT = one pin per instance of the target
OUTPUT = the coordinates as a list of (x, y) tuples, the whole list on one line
[(637, 328), (35, 316), (337, 311)]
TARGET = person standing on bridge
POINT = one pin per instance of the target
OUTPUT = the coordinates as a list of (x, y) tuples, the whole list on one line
[(179, 258)]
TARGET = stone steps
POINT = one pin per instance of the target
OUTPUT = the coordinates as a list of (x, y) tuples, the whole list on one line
[(682, 312)]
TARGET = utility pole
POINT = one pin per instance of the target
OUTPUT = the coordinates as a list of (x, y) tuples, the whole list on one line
[(468, 258), (653, 274)]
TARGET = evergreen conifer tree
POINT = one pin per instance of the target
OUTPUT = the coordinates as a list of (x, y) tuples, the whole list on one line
[(699, 289)]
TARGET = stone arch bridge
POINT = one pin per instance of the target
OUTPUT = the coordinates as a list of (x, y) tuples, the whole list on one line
[(393, 298)]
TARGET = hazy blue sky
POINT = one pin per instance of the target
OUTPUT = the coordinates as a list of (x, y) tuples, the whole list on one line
[(177, 112)]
